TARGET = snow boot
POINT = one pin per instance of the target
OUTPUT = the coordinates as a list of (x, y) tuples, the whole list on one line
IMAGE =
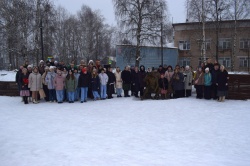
[(223, 98), (220, 99), (34, 101)]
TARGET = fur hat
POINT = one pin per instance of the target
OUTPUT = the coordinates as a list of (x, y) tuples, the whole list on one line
[(207, 69), (51, 67)]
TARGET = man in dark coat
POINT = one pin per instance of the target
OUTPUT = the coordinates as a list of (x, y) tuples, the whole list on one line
[(142, 75), (214, 74), (135, 81), (126, 79), (111, 82)]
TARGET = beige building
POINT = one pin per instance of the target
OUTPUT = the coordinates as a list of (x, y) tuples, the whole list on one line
[(188, 38)]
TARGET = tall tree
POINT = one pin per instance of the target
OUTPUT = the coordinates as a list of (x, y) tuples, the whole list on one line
[(140, 19)]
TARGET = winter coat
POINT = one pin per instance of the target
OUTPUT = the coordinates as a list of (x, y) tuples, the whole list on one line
[(111, 76), (41, 69), (126, 77), (136, 81), (169, 75), (207, 79), (188, 78), (200, 77), (103, 78), (77, 75), (59, 82), (71, 84), (177, 81), (23, 81), (95, 83), (118, 80), (44, 78), (163, 83), (142, 75), (35, 81), (222, 81), (49, 79), (84, 80), (214, 74)]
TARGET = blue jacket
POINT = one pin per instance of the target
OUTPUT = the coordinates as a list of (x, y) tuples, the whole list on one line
[(207, 79)]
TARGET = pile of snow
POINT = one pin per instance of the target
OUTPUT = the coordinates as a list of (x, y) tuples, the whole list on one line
[(125, 131), (6, 76)]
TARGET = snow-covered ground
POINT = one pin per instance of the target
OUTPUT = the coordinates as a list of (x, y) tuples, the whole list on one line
[(125, 131)]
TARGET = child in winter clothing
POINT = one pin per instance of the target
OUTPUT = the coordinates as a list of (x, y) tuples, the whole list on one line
[(23, 82), (71, 86), (49, 79), (59, 83), (103, 80), (35, 84), (77, 92), (84, 83), (95, 84)]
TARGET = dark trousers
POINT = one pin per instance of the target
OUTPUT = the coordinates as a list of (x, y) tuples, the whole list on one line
[(141, 91), (199, 91), (178, 93), (110, 90), (188, 92), (46, 91), (214, 91), (207, 92)]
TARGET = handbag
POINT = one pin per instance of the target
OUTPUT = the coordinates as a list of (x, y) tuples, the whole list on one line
[(41, 93), (164, 91)]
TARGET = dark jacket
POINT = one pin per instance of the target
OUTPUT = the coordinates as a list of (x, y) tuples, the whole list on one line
[(111, 76), (126, 77), (222, 81), (84, 80), (142, 75), (136, 81), (177, 81), (163, 83), (215, 75), (95, 83), (23, 81)]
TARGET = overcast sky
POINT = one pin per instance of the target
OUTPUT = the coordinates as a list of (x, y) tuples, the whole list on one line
[(176, 8)]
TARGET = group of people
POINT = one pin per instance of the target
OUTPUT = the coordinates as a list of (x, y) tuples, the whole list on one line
[(57, 82)]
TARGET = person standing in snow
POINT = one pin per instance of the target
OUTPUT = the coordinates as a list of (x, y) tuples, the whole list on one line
[(103, 80), (207, 84), (45, 85), (49, 79), (118, 82), (126, 80), (142, 83), (84, 83), (111, 83), (95, 84), (59, 84), (188, 79), (35, 84), (222, 84), (177, 83), (199, 82), (71, 85), (23, 82)]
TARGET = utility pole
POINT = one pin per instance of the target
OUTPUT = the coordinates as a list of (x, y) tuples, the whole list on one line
[(161, 43)]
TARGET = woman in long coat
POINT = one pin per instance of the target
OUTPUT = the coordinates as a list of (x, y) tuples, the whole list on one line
[(118, 82), (222, 84), (35, 84)]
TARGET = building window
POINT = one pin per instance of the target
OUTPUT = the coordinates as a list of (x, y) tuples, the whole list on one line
[(184, 45), (184, 61), (243, 62), (225, 62), (224, 44), (244, 43), (207, 43)]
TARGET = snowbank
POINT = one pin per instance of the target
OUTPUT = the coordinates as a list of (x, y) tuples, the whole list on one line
[(7, 75)]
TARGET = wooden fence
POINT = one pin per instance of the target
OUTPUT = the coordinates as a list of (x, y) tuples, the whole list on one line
[(239, 87)]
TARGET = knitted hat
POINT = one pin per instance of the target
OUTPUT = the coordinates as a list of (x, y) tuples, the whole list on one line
[(207, 69)]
